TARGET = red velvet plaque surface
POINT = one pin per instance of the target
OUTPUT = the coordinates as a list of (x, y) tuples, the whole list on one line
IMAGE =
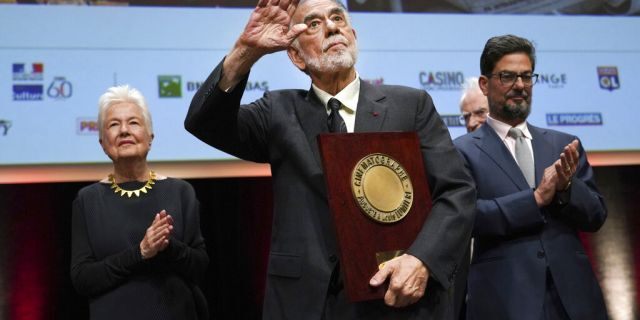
[(360, 236)]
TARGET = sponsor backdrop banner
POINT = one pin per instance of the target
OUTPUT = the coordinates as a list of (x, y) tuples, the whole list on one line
[(55, 61)]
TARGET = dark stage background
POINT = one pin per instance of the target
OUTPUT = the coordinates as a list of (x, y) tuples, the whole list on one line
[(236, 222)]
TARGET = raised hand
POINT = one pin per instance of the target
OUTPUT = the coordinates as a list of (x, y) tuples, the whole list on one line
[(268, 29), (557, 177), (157, 235), (567, 165), (546, 189)]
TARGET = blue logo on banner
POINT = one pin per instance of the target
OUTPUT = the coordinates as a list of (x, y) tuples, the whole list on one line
[(194, 85), (60, 88), (20, 72), (441, 80), (452, 120), (553, 80), (574, 119), (27, 92), (18, 68), (257, 85), (4, 126), (608, 77)]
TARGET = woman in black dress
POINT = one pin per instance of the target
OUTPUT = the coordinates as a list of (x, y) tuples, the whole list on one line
[(137, 250)]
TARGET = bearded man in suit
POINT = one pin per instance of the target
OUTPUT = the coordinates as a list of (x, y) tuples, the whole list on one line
[(281, 128), (536, 191)]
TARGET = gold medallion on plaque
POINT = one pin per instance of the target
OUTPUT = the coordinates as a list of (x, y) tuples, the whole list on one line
[(382, 188)]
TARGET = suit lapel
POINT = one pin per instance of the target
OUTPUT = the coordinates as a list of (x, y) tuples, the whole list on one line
[(488, 141), (313, 120), (371, 111), (312, 116)]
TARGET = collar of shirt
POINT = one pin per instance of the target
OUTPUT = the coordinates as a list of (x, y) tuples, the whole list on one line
[(347, 96), (502, 129)]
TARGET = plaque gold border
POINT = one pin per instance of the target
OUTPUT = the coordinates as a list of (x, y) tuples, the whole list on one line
[(400, 205)]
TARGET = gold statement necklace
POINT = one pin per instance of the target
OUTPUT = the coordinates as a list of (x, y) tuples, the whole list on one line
[(147, 186)]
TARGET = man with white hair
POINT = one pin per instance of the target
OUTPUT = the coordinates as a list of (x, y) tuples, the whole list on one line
[(281, 128), (474, 107)]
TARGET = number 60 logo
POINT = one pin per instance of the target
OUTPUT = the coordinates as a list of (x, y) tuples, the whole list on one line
[(60, 88)]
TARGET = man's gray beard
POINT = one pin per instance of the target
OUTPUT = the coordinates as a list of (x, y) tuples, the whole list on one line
[(332, 62)]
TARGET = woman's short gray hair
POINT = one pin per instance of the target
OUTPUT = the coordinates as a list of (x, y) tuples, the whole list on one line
[(120, 94)]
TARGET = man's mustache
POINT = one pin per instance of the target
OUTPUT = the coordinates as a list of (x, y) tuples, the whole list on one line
[(337, 38), (522, 94)]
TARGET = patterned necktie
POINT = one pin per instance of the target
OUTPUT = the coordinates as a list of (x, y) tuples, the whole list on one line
[(335, 121), (523, 156)]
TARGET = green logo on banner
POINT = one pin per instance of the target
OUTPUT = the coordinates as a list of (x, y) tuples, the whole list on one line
[(170, 86)]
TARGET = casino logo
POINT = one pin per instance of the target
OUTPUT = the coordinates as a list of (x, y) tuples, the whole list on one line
[(608, 78), (382, 188), (441, 80), (86, 126), (453, 120), (574, 119), (552, 80), (60, 89), (27, 92), (169, 86), (25, 72), (5, 125)]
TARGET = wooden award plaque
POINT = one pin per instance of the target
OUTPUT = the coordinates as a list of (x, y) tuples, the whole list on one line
[(379, 199)]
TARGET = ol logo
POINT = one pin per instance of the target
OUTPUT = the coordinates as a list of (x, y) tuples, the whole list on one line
[(608, 78)]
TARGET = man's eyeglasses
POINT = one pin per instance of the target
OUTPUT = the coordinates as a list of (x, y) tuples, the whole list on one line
[(509, 78), (480, 113)]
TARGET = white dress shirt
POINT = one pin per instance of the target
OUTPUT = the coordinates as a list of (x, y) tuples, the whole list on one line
[(349, 99), (502, 129)]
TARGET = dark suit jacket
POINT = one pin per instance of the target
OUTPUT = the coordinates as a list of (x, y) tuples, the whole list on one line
[(281, 129), (515, 241)]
